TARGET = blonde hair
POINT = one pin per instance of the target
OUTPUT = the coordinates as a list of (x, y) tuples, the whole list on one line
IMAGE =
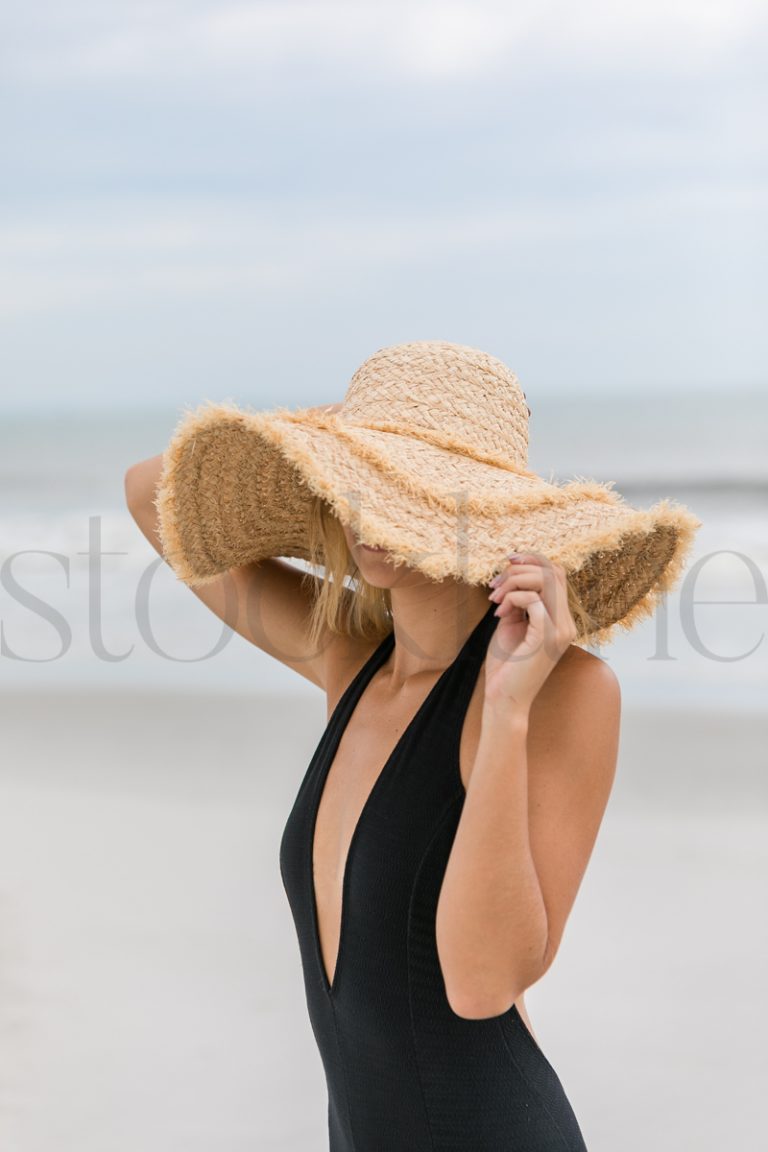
[(365, 611)]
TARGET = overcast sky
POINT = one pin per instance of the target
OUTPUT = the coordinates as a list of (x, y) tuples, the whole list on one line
[(246, 200)]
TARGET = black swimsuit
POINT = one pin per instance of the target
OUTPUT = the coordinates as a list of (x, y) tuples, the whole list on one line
[(404, 1072)]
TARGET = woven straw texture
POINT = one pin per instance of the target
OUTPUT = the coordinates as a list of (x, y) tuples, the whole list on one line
[(427, 458)]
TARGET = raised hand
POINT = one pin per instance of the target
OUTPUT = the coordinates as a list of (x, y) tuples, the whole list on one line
[(535, 628)]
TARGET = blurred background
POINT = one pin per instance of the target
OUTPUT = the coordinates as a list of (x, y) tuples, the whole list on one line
[(243, 202)]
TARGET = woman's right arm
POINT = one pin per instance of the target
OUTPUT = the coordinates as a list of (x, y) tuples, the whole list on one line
[(266, 602)]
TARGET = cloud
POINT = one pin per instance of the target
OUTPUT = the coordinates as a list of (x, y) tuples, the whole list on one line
[(101, 257), (578, 177), (118, 42)]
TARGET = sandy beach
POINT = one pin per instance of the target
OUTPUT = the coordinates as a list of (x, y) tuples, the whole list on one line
[(240, 204), (150, 989)]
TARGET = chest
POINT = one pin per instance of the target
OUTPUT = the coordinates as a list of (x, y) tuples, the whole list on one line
[(389, 775), (374, 731)]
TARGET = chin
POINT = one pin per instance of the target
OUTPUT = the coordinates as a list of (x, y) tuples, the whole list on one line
[(377, 568)]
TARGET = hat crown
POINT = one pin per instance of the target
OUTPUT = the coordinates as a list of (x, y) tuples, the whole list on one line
[(451, 394)]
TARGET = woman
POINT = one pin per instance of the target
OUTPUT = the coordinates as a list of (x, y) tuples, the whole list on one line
[(443, 827)]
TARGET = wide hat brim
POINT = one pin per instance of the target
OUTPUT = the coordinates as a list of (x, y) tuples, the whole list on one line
[(236, 487)]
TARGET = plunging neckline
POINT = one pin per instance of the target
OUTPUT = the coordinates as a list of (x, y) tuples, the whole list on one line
[(337, 725)]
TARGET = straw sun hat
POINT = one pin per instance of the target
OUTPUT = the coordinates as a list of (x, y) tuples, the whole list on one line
[(426, 457)]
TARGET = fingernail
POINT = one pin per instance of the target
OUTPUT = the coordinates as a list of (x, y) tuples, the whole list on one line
[(496, 581)]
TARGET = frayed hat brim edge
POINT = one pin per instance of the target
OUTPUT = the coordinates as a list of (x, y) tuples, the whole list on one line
[(269, 425)]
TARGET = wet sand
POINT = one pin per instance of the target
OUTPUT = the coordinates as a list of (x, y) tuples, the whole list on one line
[(151, 994)]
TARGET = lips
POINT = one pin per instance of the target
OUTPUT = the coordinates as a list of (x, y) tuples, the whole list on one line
[(368, 548)]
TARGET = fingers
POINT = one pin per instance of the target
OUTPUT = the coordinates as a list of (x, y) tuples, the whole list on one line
[(525, 578), (529, 562), (532, 561), (539, 574), (530, 578), (517, 598)]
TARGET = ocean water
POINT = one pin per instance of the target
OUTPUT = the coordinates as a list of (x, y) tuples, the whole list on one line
[(86, 602)]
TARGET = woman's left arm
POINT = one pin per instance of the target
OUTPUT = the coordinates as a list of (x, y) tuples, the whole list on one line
[(535, 799)]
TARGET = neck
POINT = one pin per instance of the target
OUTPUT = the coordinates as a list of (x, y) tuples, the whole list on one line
[(431, 624)]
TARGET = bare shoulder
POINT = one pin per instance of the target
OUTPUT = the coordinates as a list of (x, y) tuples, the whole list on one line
[(579, 705), (579, 671)]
